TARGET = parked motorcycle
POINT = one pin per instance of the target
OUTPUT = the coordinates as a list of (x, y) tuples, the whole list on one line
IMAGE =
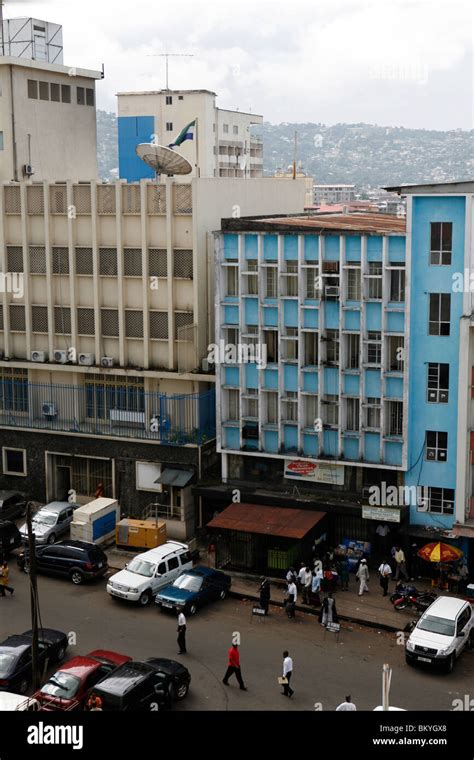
[(420, 601)]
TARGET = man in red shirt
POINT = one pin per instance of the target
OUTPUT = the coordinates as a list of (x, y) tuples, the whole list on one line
[(234, 667)]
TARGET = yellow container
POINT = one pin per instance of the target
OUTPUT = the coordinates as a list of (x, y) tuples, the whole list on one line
[(140, 534)]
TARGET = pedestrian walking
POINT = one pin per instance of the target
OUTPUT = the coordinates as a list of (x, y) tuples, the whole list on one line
[(181, 631), (315, 586), (306, 587), (4, 576), (328, 612), (385, 572), (301, 575), (291, 575), (287, 673), (344, 573), (265, 594), (291, 597), (234, 668), (400, 567), (346, 706), (363, 576)]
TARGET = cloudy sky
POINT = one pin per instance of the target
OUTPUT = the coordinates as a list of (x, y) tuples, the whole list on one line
[(390, 62)]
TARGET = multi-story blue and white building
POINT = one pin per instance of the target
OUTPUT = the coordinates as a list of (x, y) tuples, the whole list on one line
[(352, 366)]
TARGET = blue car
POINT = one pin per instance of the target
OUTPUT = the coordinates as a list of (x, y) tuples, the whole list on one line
[(193, 589)]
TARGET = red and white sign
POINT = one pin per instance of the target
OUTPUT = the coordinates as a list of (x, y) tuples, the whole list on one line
[(316, 472)]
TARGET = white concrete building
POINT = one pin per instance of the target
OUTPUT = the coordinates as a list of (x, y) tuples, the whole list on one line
[(333, 193)]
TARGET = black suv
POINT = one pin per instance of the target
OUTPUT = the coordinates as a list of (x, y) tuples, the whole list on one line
[(12, 505), (150, 685), (78, 560), (10, 538)]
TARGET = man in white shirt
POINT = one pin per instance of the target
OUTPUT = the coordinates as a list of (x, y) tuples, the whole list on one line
[(347, 705), (292, 592), (302, 574), (385, 572), (287, 673), (306, 587), (181, 631)]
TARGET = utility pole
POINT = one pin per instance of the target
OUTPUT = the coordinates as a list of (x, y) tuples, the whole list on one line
[(167, 56), (33, 598)]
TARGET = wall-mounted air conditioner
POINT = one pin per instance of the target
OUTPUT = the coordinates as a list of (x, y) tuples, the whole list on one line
[(87, 360), (49, 409), (106, 361), (331, 291), (38, 356), (28, 170), (60, 357)]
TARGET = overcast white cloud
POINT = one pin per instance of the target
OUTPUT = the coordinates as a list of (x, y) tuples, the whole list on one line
[(403, 62)]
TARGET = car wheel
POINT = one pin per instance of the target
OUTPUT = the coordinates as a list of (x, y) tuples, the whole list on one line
[(192, 609), (408, 660), (223, 594), (23, 686), (60, 654), (76, 577), (450, 663), (180, 691), (51, 538), (145, 598)]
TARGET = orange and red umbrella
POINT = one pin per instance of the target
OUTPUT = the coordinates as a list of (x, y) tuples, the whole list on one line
[(440, 552)]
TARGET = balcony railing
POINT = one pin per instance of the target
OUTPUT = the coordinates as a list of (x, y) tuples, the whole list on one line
[(122, 412)]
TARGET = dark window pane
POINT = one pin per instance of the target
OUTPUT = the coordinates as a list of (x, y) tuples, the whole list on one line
[(66, 93), (447, 236), (436, 236), (33, 89), (44, 90), (55, 92), (445, 307), (444, 376), (81, 96), (430, 439)]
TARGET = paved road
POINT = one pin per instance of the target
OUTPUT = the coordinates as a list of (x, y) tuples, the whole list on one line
[(325, 670)]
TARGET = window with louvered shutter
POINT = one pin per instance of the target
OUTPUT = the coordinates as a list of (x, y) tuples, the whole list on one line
[(133, 324), (39, 319), (159, 325)]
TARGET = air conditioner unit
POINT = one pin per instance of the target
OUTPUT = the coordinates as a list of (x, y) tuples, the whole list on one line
[(430, 454), (49, 409), (60, 357), (28, 170), (106, 361), (207, 366), (331, 291), (433, 396), (38, 356), (86, 360)]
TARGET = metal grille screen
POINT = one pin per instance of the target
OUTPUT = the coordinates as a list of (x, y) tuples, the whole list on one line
[(37, 259), (84, 261), (39, 319), (183, 264), (35, 199), (12, 200), (85, 321), (110, 323), (17, 318), (132, 262), (131, 199), (183, 319), (82, 199), (108, 261), (133, 324), (58, 199), (157, 263), (156, 199), (106, 199), (183, 203), (159, 325), (15, 258), (62, 320), (60, 260)]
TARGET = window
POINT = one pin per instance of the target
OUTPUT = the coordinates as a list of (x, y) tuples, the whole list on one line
[(169, 100), (55, 92), (396, 353), (180, 97), (353, 345), (394, 417), (310, 349), (332, 346), (233, 411), (436, 446), (272, 408), (252, 284), (312, 283), (438, 384), (225, 128), (111, 392), (372, 413), (397, 285), (310, 411), (375, 280), (332, 410), (235, 129), (81, 96), (352, 422), (441, 501), (271, 341), (13, 389), (353, 284), (66, 93), (374, 347), (169, 126), (161, 570), (173, 563), (232, 288), (439, 314), (33, 89), (271, 282), (441, 245), (44, 90), (90, 97), (14, 461)]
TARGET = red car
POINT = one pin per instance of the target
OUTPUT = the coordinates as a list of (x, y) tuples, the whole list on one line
[(68, 688)]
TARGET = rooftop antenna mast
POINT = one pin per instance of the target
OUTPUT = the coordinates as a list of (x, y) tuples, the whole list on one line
[(167, 56), (295, 152)]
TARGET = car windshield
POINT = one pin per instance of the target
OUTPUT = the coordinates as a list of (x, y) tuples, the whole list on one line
[(6, 661), (188, 582), (436, 625), (62, 685), (45, 518), (141, 567)]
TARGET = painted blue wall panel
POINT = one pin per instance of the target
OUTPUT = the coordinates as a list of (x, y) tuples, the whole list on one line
[(351, 385), (331, 376), (331, 248), (393, 453), (251, 375), (251, 311), (231, 246), (310, 445), (353, 248), (331, 313), (290, 437), (270, 316), (270, 441), (372, 447), (231, 315), (270, 379), (374, 248), (395, 321), (310, 382), (290, 377), (310, 318), (290, 247), (351, 319), (351, 448), (373, 385), (231, 438), (133, 130), (396, 248), (290, 313), (311, 247), (373, 316), (270, 247), (330, 443), (251, 246), (394, 387), (232, 376)]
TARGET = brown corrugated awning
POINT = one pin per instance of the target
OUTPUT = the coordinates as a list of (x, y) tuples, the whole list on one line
[(271, 521)]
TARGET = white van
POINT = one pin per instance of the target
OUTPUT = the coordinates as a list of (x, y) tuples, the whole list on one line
[(10, 702), (147, 573), (441, 633)]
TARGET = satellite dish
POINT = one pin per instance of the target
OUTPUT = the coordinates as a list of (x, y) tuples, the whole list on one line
[(163, 160)]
